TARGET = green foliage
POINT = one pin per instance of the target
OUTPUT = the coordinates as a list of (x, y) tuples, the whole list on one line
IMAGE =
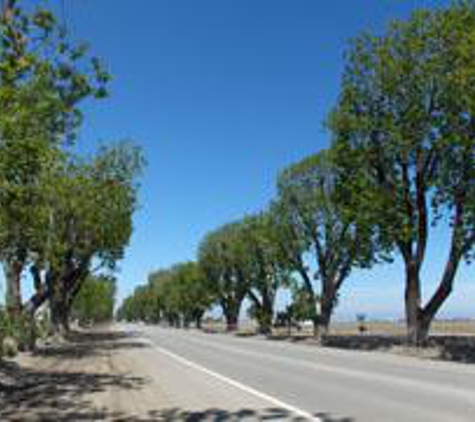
[(404, 141), (22, 330), (90, 221), (95, 301), (179, 296), (94, 202), (315, 222), (59, 212), (262, 266), (44, 78), (222, 257), (303, 305), (402, 125)]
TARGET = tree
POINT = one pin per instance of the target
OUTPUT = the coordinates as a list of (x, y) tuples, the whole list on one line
[(142, 305), (262, 267), (314, 220), (94, 302), (43, 80), (404, 137), (179, 295), (221, 259), (194, 295), (90, 222)]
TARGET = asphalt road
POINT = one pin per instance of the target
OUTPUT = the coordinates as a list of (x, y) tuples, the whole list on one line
[(329, 384)]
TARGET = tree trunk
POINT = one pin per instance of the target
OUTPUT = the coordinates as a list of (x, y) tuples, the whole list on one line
[(59, 318), (413, 304), (327, 306), (427, 315), (231, 311), (199, 322), (59, 311), (265, 323), (13, 270), (264, 310), (324, 323), (231, 320)]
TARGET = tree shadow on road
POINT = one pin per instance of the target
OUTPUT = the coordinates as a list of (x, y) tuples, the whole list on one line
[(218, 415), (448, 348)]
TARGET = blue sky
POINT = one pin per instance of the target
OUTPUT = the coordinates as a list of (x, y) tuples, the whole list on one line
[(222, 94)]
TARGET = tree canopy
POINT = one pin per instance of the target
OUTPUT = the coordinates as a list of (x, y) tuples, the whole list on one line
[(404, 136), (63, 216)]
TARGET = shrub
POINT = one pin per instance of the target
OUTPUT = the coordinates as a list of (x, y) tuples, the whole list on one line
[(20, 330)]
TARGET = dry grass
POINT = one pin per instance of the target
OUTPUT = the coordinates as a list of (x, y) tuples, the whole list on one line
[(450, 340), (443, 327), (389, 328)]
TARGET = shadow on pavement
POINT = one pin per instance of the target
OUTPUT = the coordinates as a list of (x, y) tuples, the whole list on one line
[(448, 348), (453, 348), (216, 415)]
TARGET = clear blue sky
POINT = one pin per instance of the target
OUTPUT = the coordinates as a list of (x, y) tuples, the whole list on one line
[(222, 94)]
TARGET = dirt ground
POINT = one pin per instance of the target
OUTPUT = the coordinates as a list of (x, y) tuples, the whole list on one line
[(92, 377)]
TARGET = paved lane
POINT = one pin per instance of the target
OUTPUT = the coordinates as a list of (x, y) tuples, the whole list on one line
[(334, 384)]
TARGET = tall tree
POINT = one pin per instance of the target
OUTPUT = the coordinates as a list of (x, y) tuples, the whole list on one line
[(221, 259), (404, 131), (94, 302), (262, 267), (179, 295), (316, 222), (43, 80), (195, 296), (90, 223)]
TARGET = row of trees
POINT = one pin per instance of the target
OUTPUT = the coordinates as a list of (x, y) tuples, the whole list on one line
[(62, 215), (179, 296), (95, 301), (401, 161)]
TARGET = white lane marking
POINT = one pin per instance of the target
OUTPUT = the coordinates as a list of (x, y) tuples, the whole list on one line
[(296, 411)]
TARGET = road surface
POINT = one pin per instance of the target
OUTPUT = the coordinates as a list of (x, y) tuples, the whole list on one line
[(309, 382)]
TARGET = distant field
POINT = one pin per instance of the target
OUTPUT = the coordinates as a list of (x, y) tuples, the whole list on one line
[(450, 340), (396, 328), (443, 327)]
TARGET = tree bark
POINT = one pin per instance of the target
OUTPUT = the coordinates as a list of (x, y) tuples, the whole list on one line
[(325, 317), (231, 322), (13, 270), (413, 303), (265, 322), (264, 310), (199, 321), (59, 314), (231, 306)]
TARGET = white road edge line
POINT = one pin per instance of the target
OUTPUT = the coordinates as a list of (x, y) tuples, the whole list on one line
[(236, 384)]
